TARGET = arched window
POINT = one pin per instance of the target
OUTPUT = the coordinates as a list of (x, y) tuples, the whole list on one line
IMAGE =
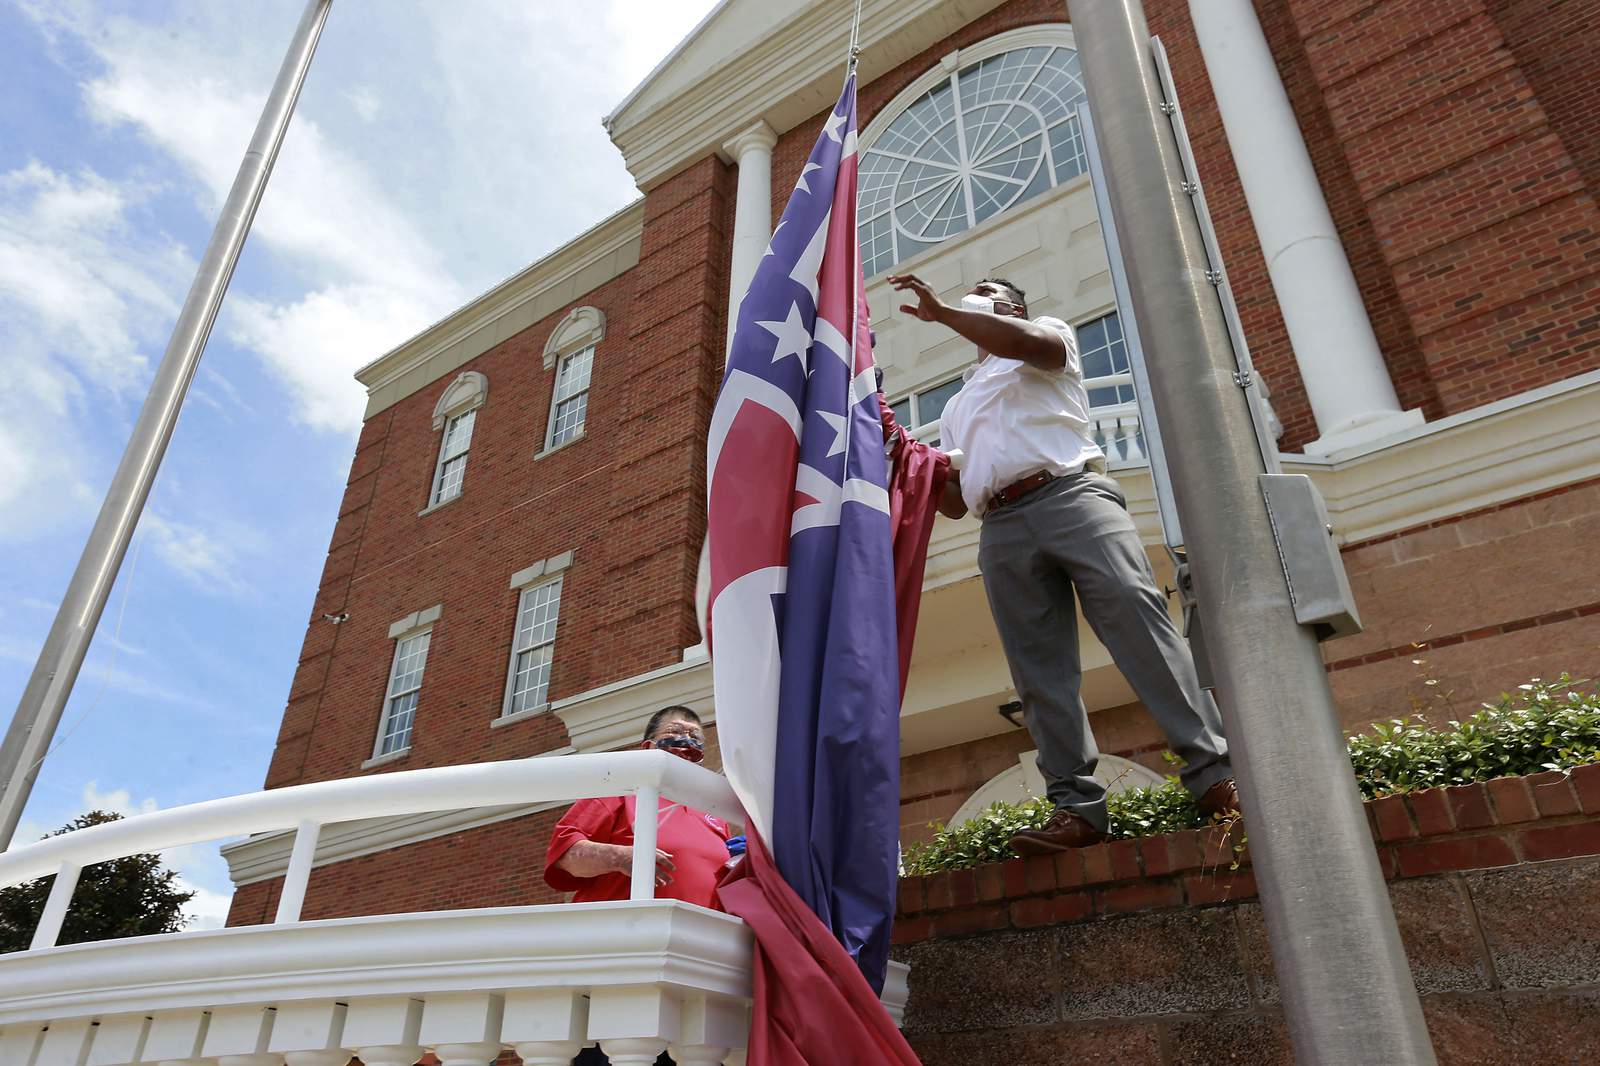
[(986, 135), (570, 351), (456, 413)]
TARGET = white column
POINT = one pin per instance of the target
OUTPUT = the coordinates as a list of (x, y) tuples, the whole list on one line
[(1334, 346), (752, 210)]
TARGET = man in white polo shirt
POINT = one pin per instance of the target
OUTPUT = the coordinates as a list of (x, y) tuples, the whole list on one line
[(1056, 529)]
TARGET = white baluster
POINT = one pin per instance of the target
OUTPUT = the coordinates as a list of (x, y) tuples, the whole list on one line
[(295, 878), (633, 1051), (384, 1032), (310, 1034), (239, 1036), (634, 1024), (21, 1042), (708, 1028), (65, 1044), (119, 1041), (647, 802), (48, 930), (464, 1028), (177, 1038), (546, 1026)]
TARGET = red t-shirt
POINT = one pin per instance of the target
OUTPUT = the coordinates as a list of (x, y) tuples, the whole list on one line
[(697, 842)]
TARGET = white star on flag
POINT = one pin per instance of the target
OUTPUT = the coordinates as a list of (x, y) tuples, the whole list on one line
[(839, 424), (802, 183), (793, 337), (834, 124)]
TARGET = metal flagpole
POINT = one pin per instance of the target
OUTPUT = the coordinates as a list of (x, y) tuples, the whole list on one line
[(39, 710), (1348, 992)]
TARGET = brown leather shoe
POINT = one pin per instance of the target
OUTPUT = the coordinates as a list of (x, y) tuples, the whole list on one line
[(1063, 831), (1220, 801)]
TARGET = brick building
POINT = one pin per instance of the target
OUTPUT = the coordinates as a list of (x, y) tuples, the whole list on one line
[(516, 555)]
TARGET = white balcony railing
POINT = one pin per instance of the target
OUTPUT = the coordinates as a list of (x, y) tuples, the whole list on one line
[(1115, 427), (634, 976)]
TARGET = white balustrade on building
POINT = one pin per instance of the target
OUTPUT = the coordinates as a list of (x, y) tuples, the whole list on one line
[(636, 976)]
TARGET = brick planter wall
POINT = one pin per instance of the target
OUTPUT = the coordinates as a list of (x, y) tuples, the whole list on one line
[(1154, 951)]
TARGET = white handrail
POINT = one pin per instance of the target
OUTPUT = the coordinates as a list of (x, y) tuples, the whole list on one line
[(443, 788)]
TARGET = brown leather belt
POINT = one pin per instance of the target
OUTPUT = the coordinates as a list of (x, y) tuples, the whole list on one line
[(1018, 489)]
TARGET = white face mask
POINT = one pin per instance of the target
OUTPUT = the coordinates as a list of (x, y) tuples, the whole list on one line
[(973, 302)]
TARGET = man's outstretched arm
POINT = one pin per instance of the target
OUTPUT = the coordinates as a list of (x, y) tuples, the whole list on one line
[(1002, 335)]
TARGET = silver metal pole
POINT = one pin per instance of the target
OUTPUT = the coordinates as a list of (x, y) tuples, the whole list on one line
[(1347, 989), (39, 710)]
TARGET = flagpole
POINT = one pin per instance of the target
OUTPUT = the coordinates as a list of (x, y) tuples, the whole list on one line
[(39, 711), (855, 42)]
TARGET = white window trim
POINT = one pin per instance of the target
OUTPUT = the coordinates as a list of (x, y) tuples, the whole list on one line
[(523, 581), (1047, 34), (583, 327), (555, 385), (412, 625), (467, 392)]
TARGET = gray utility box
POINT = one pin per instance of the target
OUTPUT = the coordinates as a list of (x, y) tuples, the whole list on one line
[(1317, 582)]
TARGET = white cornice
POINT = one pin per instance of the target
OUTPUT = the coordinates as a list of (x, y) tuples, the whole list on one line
[(577, 267), (613, 716), (787, 74)]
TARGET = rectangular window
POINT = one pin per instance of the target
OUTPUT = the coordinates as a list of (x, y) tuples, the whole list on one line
[(1106, 373), (453, 457), (405, 683), (922, 408), (571, 402), (533, 647)]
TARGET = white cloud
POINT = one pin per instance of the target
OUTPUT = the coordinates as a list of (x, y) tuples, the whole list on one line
[(315, 344), (200, 557), (81, 294), (117, 801), (365, 103)]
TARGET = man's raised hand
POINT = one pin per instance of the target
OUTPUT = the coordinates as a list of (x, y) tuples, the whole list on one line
[(928, 304)]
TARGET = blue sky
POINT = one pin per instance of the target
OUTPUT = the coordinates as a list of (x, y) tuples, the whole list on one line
[(437, 149)]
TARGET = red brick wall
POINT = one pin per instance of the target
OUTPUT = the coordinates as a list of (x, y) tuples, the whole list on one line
[(1553, 41), (1497, 597), (1484, 218)]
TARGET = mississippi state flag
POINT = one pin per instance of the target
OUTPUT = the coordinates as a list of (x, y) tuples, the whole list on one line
[(802, 609)]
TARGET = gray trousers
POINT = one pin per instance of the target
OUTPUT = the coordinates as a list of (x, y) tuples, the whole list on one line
[(1074, 540)]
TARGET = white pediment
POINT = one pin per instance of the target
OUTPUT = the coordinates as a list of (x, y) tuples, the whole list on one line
[(781, 61), (582, 328)]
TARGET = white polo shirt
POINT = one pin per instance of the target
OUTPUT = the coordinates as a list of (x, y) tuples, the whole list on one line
[(1013, 420)]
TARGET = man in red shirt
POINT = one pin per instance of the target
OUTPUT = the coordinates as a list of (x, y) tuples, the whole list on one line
[(591, 849)]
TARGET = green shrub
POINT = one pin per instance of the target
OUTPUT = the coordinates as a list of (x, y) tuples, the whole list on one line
[(1543, 726), (1137, 812)]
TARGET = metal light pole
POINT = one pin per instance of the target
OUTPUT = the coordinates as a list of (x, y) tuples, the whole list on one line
[(1347, 989), (39, 710)]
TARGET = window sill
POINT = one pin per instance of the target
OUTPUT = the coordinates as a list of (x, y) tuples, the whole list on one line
[(384, 760), (520, 716), (569, 442), (432, 507)]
